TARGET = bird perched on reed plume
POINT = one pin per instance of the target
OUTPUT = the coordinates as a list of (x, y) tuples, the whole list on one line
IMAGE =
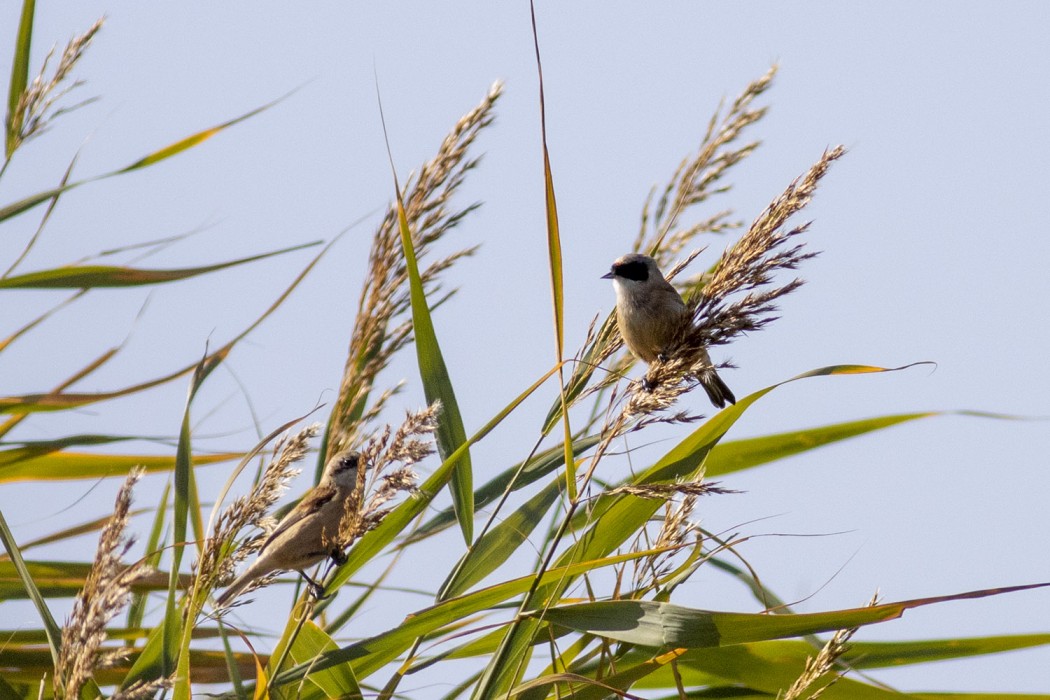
[(651, 315), (309, 533)]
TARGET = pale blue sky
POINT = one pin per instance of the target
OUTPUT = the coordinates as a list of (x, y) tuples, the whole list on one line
[(933, 229)]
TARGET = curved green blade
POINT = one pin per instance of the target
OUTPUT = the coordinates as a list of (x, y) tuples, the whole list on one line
[(27, 203), (19, 72), (670, 626), (83, 465), (85, 276), (437, 386)]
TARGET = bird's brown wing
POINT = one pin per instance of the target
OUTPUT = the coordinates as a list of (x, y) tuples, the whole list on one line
[(669, 293), (310, 504), (668, 315)]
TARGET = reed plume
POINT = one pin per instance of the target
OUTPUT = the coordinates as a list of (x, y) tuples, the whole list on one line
[(35, 109), (383, 326), (106, 591)]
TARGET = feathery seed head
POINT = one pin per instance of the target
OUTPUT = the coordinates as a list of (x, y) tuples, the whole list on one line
[(105, 593)]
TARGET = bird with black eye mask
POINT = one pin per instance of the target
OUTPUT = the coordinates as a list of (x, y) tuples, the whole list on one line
[(651, 313)]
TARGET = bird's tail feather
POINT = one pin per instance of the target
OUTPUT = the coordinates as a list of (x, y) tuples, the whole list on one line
[(716, 389), (236, 588)]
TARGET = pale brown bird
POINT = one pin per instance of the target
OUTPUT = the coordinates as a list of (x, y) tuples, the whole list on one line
[(306, 535), (650, 313)]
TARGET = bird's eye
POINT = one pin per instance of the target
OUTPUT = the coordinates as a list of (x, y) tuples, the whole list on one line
[(634, 270), (346, 463)]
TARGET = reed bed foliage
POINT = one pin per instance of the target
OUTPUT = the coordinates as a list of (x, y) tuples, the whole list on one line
[(565, 592)]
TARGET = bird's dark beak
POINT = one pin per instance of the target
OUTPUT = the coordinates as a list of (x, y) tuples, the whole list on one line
[(607, 276)]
